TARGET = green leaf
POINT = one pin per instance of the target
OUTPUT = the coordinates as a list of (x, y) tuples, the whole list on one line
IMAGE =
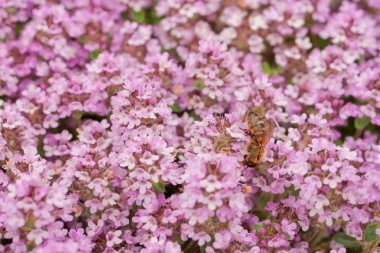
[(199, 86), (124, 15), (77, 115), (358, 249), (159, 187), (171, 51), (176, 108), (139, 16), (87, 212), (361, 123), (266, 68), (11, 10), (29, 223), (40, 147), (202, 249), (262, 215), (151, 17), (82, 40), (322, 43), (18, 28), (94, 54), (295, 192), (195, 116), (339, 142), (277, 70), (370, 233), (346, 240), (30, 246), (177, 238), (311, 111), (264, 199), (256, 227)]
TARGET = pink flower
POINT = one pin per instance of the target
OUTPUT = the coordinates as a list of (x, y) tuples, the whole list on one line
[(340, 250), (94, 205), (121, 125), (277, 242), (211, 183), (222, 240), (149, 158), (288, 228), (113, 238), (98, 186), (37, 235), (202, 238)]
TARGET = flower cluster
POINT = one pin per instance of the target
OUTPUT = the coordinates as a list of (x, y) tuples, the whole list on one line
[(124, 127)]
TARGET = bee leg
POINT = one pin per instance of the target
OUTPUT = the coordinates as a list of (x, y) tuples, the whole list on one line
[(248, 163), (254, 137), (261, 151)]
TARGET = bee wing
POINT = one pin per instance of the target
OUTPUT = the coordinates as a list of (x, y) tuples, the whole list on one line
[(269, 127), (251, 117)]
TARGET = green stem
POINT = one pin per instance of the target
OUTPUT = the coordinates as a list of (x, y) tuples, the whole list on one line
[(189, 246), (317, 237), (359, 133), (371, 246)]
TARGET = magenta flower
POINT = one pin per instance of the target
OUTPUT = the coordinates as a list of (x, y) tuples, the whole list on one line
[(37, 235), (189, 126), (113, 238)]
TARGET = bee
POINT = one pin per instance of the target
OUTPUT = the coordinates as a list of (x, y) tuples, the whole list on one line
[(260, 131), (223, 143)]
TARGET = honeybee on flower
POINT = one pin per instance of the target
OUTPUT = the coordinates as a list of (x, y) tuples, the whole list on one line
[(260, 131)]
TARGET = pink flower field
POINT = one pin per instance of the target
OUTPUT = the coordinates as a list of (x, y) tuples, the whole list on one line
[(210, 126)]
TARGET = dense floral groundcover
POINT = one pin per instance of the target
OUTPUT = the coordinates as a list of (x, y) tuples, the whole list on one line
[(120, 125)]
